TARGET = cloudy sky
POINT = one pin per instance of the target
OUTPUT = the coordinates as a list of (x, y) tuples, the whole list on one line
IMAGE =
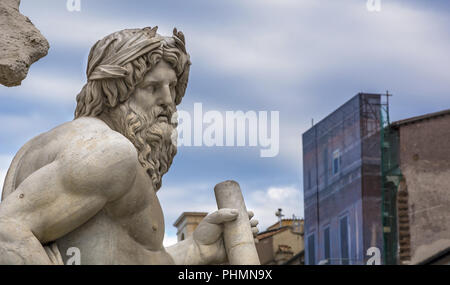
[(303, 58)]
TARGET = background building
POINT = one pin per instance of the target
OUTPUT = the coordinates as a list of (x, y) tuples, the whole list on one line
[(282, 243), (416, 189), (342, 183), (187, 223)]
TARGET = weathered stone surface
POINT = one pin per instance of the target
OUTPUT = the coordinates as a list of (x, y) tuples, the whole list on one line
[(21, 44), (238, 237)]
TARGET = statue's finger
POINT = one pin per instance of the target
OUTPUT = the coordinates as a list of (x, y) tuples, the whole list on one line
[(222, 216), (50, 254), (255, 230), (57, 254), (256, 240), (254, 223), (250, 214)]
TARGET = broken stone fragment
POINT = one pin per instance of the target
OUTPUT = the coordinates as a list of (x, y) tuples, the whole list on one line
[(21, 44)]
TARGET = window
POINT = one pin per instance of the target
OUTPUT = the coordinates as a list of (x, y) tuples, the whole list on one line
[(336, 161), (311, 250), (326, 243), (343, 226)]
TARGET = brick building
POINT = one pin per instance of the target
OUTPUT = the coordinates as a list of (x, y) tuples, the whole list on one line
[(416, 175)]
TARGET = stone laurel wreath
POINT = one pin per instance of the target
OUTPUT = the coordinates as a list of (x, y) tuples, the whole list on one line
[(112, 67)]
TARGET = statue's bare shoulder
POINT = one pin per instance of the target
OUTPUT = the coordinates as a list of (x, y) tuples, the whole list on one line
[(98, 156), (86, 148), (76, 169)]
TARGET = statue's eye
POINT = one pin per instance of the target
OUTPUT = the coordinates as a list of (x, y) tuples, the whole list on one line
[(150, 87)]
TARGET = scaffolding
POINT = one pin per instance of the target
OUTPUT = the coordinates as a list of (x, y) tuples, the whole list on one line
[(391, 177), (378, 140), (363, 114)]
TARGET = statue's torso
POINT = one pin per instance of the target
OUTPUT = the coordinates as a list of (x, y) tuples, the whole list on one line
[(129, 230)]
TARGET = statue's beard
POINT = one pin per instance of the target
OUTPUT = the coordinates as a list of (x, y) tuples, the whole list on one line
[(152, 137)]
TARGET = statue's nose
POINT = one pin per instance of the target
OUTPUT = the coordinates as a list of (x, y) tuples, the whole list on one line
[(165, 97)]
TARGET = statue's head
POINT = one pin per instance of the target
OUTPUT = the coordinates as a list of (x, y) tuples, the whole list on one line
[(136, 78)]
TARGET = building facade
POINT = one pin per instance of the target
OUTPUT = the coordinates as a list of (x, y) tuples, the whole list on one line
[(342, 184), (282, 243), (187, 222), (416, 159)]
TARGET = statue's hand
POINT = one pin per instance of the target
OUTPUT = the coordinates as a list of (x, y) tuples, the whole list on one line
[(209, 234)]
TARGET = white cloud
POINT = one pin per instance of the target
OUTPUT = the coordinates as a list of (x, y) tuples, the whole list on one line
[(295, 43), (85, 28), (45, 86), (169, 240), (186, 198), (53, 87), (200, 198), (281, 194), (264, 203), (18, 129), (291, 151), (290, 43), (251, 55)]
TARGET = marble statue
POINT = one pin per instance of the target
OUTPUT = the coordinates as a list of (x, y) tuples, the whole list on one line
[(91, 184)]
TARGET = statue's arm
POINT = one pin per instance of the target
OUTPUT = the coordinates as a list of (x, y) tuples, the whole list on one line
[(60, 197), (187, 252), (206, 245)]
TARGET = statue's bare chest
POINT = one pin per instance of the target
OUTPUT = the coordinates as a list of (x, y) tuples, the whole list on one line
[(139, 213), (129, 230)]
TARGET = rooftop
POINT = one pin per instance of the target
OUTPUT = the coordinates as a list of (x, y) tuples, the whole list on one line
[(284, 222), (360, 95), (272, 232), (416, 119), (191, 214)]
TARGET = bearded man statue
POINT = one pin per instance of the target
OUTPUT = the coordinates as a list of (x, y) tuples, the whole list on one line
[(89, 186)]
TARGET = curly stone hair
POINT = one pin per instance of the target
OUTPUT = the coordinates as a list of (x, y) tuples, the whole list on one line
[(119, 62)]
